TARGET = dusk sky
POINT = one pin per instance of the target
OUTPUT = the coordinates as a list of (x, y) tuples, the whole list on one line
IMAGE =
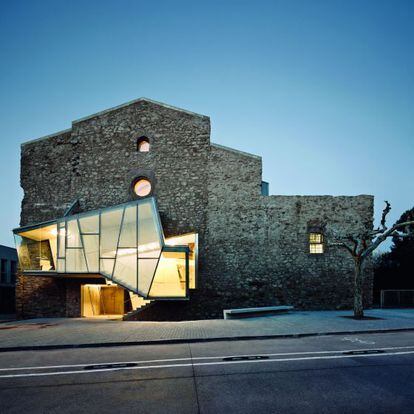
[(322, 90)]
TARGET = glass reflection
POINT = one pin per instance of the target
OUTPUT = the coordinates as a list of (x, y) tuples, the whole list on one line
[(37, 248), (170, 277), (190, 240), (124, 244)]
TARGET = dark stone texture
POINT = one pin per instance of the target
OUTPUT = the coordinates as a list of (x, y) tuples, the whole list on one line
[(253, 248)]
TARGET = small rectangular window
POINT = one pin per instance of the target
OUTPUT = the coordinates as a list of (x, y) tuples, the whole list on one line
[(316, 243), (264, 188)]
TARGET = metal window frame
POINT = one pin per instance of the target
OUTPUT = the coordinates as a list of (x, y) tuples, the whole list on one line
[(195, 254), (77, 217)]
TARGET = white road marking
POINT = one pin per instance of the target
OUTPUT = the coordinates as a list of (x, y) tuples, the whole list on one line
[(358, 340), (152, 361), (44, 374)]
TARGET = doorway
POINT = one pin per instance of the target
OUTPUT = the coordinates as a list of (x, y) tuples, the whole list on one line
[(102, 301)]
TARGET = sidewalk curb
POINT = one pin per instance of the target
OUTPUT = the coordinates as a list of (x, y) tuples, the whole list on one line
[(195, 340)]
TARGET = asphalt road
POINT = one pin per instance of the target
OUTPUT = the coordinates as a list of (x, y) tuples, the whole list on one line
[(328, 374)]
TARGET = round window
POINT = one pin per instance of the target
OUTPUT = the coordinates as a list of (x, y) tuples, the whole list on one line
[(142, 187)]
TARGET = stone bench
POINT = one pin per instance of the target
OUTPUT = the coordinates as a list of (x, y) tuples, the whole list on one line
[(251, 312)]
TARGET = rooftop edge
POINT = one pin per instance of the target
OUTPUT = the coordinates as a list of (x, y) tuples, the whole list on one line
[(114, 108), (105, 111), (246, 154)]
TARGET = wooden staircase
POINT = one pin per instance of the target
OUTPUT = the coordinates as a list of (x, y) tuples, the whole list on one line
[(138, 304)]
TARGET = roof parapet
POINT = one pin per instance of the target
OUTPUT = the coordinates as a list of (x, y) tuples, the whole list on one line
[(142, 99), (114, 108), (64, 131), (246, 154)]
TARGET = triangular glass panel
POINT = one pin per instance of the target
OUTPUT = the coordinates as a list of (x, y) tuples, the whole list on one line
[(61, 239), (128, 237), (146, 270), (73, 236), (91, 246), (149, 230), (107, 267), (110, 227), (170, 277), (125, 272)]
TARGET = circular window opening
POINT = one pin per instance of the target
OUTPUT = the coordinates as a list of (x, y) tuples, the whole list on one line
[(143, 145), (142, 187)]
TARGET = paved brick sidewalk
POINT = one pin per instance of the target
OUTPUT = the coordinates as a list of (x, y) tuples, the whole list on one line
[(72, 332)]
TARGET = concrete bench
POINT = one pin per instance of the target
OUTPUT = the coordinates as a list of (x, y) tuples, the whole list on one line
[(250, 312)]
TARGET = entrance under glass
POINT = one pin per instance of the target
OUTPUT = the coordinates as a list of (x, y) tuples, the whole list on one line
[(123, 243)]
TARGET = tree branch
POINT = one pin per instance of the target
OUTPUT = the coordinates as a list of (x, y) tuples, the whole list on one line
[(383, 236), (386, 210)]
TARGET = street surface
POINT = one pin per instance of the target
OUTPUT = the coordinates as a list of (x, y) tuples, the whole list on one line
[(367, 373)]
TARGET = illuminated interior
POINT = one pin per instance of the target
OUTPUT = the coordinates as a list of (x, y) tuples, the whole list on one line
[(124, 243), (142, 187), (39, 252), (170, 276), (143, 145), (190, 240), (101, 300), (315, 243)]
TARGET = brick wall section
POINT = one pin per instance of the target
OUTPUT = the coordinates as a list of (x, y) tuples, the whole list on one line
[(253, 248), (73, 298), (40, 297), (50, 297)]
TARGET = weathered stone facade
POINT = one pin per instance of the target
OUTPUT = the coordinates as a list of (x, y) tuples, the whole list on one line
[(253, 249)]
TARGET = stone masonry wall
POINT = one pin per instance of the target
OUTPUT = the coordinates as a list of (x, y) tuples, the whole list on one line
[(253, 248), (257, 251), (97, 160), (258, 245)]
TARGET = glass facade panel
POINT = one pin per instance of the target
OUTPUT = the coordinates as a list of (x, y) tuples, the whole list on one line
[(75, 261), (125, 271), (37, 248), (107, 267), (110, 227), (190, 240), (170, 277), (62, 239), (91, 245), (89, 224), (61, 265), (149, 232), (146, 269), (128, 237), (124, 243), (73, 237)]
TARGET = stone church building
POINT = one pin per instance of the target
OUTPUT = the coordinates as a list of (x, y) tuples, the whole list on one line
[(134, 212)]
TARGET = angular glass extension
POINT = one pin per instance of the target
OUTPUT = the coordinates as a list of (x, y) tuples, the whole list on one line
[(124, 243)]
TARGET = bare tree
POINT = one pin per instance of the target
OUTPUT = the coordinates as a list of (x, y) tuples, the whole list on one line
[(360, 246)]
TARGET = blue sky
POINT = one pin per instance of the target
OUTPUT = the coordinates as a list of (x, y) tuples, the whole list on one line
[(323, 90)]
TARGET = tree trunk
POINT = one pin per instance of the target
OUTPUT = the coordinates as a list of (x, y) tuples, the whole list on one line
[(358, 308)]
